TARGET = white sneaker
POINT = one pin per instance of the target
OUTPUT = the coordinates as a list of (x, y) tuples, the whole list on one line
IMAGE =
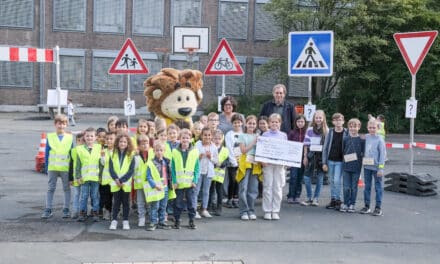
[(206, 214), (344, 208), (197, 215), (125, 225), (351, 209), (252, 217), (244, 217), (315, 202), (275, 216), (113, 225), (267, 216), (105, 214), (141, 222)]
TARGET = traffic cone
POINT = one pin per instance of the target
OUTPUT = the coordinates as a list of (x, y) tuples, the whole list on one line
[(361, 182), (39, 159)]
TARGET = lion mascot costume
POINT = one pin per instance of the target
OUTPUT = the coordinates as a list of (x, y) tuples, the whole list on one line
[(174, 94)]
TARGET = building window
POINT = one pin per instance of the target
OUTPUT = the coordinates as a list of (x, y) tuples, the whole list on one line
[(182, 62), (154, 66), (234, 85), (72, 69), (109, 16), (262, 84), (186, 12), (265, 27), (101, 80), (69, 15), (298, 87), (233, 19), (18, 14), (16, 74), (148, 17)]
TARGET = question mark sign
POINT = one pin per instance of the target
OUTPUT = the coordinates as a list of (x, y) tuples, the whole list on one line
[(410, 109), (310, 112)]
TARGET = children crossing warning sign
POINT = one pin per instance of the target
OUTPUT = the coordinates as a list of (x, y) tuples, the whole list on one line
[(311, 53), (128, 61)]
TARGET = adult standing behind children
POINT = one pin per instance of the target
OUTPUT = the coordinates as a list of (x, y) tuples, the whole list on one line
[(280, 106), (228, 106)]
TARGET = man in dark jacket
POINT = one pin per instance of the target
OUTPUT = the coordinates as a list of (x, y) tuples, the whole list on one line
[(281, 106)]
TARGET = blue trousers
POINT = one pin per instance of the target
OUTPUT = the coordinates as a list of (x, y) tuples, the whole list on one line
[(369, 175)]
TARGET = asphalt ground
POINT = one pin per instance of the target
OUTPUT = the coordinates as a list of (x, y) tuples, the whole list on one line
[(408, 232)]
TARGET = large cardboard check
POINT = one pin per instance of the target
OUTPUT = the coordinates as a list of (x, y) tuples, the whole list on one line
[(279, 152)]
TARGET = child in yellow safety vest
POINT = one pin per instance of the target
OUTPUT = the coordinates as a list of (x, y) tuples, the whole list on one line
[(57, 160), (87, 174), (121, 168), (219, 174), (75, 185), (105, 195), (158, 187), (145, 154)]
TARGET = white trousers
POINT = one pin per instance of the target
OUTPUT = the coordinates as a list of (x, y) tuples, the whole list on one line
[(274, 178)]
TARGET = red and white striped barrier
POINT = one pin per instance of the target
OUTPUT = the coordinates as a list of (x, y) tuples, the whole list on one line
[(415, 144), (26, 54)]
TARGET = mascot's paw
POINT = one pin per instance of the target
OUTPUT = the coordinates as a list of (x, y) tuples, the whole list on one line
[(173, 94)]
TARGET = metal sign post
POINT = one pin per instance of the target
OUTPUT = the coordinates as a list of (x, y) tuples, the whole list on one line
[(57, 66)]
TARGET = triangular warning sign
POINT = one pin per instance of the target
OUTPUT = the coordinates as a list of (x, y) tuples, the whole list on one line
[(223, 62), (128, 61), (414, 46), (310, 58)]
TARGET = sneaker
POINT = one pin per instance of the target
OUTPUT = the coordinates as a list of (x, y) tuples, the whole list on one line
[(197, 215), (275, 216), (176, 225), (315, 202), (66, 213), (351, 209), (365, 210), (244, 217), (192, 225), (252, 217), (377, 211), (228, 204), (105, 214), (331, 205), (141, 222), (95, 216), (206, 214), (267, 216), (47, 213), (306, 203), (296, 201), (125, 225), (113, 225), (338, 204), (344, 208), (75, 215), (235, 203), (163, 226), (151, 227), (82, 216), (290, 200)]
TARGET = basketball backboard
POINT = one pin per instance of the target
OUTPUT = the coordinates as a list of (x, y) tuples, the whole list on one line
[(186, 37)]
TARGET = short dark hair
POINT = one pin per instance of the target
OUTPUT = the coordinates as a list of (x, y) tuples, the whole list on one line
[(230, 99), (121, 123)]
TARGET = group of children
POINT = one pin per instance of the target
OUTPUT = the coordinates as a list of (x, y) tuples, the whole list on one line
[(170, 168)]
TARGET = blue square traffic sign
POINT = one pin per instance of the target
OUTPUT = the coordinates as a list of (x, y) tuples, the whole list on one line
[(310, 53)]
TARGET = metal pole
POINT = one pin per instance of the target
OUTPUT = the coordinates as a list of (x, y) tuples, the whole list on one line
[(57, 49), (411, 124), (310, 90), (128, 98), (223, 85)]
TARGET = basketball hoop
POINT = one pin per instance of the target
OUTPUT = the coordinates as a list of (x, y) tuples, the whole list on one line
[(191, 51)]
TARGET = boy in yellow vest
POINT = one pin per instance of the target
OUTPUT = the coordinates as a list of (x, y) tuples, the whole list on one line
[(105, 195), (57, 160), (145, 154), (156, 191), (87, 174), (184, 173), (75, 186)]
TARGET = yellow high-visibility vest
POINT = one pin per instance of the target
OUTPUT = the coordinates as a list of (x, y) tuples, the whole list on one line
[(89, 162), (185, 173), (152, 194), (74, 156), (121, 171), (219, 175), (106, 177), (140, 171), (59, 157)]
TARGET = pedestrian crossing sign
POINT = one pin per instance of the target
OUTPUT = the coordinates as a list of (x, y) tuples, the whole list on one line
[(310, 53)]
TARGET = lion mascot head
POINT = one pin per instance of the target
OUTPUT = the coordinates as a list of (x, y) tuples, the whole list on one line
[(174, 94)]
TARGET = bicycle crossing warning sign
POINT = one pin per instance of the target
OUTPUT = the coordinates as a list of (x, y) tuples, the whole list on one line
[(311, 53), (128, 61), (223, 62)]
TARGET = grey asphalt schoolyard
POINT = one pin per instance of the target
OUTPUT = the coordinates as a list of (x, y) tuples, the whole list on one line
[(408, 232)]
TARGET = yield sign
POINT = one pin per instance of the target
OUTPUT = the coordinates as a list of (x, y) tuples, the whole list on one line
[(128, 61), (414, 46), (224, 61)]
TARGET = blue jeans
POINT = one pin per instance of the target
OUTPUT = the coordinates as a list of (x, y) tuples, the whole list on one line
[(158, 209), (204, 184), (295, 182), (378, 186), (350, 187), (92, 188), (308, 183), (247, 193), (76, 196), (335, 178), (188, 194)]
